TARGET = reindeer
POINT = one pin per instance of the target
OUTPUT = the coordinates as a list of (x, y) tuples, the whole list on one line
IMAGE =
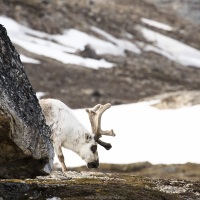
[(68, 132)]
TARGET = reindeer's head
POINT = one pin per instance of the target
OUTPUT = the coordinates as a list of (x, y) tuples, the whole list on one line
[(91, 140), (88, 151)]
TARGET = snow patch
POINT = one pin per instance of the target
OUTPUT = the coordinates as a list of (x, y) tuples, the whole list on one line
[(156, 24), (26, 59), (121, 44), (78, 40), (59, 47), (171, 48), (39, 95)]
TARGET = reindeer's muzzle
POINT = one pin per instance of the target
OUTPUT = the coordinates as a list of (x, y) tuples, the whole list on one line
[(94, 164)]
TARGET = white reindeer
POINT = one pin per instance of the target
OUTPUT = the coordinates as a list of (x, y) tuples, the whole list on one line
[(69, 133)]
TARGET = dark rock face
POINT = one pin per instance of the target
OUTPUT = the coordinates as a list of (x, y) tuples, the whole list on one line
[(26, 149)]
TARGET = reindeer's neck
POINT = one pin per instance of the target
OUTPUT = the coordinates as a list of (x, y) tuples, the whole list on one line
[(67, 131), (65, 127), (74, 138)]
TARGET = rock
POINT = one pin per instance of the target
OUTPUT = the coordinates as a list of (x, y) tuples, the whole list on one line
[(186, 9), (92, 185), (178, 99), (26, 149), (89, 52)]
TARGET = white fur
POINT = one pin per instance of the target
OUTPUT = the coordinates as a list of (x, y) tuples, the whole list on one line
[(67, 131)]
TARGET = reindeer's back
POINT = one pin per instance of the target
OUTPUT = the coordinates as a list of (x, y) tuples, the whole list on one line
[(60, 117), (54, 110)]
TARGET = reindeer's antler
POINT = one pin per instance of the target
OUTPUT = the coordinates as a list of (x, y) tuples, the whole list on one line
[(95, 114)]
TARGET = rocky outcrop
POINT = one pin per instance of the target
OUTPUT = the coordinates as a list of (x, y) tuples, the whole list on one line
[(26, 150), (174, 100), (186, 9)]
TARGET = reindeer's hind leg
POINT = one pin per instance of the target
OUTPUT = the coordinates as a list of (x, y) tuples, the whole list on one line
[(59, 153)]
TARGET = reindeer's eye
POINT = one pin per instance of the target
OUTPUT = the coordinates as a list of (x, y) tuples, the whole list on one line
[(94, 148), (88, 137)]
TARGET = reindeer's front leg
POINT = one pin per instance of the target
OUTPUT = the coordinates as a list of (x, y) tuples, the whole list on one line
[(60, 155)]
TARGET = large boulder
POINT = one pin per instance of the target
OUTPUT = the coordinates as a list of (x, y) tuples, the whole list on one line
[(25, 146)]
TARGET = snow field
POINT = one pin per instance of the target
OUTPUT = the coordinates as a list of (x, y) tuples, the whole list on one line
[(145, 133)]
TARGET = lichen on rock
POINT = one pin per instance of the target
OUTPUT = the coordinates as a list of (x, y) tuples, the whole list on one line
[(26, 149), (91, 185)]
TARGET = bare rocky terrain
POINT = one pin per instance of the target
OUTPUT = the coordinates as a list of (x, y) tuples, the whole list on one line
[(83, 185)]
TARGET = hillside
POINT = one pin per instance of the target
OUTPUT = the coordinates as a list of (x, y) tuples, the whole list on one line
[(137, 74)]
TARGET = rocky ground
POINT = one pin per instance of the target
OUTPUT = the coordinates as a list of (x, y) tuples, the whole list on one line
[(135, 77), (84, 185), (188, 171)]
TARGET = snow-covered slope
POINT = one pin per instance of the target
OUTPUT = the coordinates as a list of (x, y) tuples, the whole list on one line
[(63, 47)]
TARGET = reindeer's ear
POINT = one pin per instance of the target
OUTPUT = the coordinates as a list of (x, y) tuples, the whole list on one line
[(88, 137)]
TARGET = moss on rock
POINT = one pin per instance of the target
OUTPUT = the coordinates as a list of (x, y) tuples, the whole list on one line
[(91, 185)]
